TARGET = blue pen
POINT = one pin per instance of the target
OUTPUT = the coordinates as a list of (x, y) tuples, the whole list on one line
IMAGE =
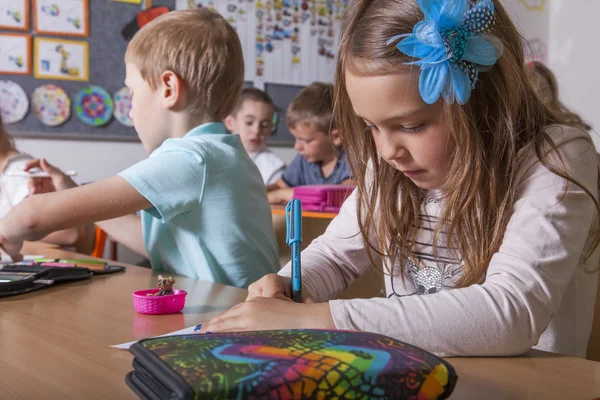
[(293, 220)]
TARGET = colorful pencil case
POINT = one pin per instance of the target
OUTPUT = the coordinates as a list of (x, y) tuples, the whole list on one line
[(326, 198), (287, 364), (28, 277)]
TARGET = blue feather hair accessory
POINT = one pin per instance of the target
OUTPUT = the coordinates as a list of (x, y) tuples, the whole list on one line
[(451, 47)]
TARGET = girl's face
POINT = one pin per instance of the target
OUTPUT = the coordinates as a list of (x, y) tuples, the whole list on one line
[(410, 135)]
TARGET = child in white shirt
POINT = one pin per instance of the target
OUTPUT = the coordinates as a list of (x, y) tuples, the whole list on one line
[(252, 119), (13, 189)]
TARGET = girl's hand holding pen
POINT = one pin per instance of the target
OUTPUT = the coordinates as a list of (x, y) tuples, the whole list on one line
[(276, 286)]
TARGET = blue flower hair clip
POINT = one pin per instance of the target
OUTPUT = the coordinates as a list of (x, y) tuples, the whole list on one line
[(451, 46)]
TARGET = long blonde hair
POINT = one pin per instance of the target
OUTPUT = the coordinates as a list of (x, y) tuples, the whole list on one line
[(502, 117)]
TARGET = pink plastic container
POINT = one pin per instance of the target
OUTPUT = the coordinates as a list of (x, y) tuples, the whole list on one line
[(169, 304), (326, 198)]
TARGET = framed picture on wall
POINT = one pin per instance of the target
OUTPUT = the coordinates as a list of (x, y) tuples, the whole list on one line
[(60, 59), (14, 14), (15, 53), (61, 17)]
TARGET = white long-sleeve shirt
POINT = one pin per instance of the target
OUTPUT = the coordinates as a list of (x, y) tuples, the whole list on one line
[(538, 290)]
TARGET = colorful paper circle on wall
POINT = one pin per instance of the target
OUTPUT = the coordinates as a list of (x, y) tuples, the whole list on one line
[(51, 104), (14, 103), (94, 106), (123, 106)]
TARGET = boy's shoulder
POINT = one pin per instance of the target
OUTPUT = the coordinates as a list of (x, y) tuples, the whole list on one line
[(201, 144)]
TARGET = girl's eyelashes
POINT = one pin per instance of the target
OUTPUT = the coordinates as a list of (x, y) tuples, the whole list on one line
[(405, 129), (412, 129)]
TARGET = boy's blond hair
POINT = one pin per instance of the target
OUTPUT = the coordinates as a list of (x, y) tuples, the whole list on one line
[(312, 106), (202, 49)]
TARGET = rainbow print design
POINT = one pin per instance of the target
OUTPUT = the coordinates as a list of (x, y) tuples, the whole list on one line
[(307, 364)]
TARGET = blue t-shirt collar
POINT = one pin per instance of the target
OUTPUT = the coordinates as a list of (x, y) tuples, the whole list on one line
[(211, 128)]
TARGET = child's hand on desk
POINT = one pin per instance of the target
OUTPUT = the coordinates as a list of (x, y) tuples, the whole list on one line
[(279, 287), (11, 247), (55, 182), (263, 313), (280, 196)]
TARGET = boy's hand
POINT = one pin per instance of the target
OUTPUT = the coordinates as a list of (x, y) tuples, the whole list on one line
[(275, 286), (280, 196), (56, 179), (262, 313), (11, 247)]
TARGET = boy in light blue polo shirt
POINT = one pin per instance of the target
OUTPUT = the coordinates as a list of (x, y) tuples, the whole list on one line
[(205, 209), (211, 219)]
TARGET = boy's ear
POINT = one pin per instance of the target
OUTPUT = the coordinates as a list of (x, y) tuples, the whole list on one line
[(173, 90), (230, 123), (336, 140)]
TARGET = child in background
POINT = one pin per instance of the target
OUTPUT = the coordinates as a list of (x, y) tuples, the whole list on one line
[(252, 119), (546, 87), (13, 189), (205, 210), (482, 204), (321, 160)]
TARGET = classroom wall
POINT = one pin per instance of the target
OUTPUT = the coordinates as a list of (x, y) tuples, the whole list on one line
[(574, 57), (566, 28)]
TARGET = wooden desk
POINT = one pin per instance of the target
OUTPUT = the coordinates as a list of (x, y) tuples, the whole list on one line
[(280, 210), (55, 343)]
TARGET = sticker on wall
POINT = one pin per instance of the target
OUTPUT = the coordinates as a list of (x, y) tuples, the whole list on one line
[(14, 14), (123, 106), (60, 59), (15, 53), (61, 17), (534, 5), (51, 105), (93, 106), (13, 102)]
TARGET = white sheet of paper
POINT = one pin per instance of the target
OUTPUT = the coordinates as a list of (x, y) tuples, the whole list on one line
[(184, 331)]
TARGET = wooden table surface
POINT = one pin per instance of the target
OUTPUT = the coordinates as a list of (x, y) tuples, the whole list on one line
[(280, 210), (54, 343)]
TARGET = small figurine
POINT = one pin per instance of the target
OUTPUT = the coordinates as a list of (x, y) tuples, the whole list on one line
[(165, 285)]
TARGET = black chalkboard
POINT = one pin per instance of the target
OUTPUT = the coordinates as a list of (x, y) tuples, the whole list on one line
[(106, 51)]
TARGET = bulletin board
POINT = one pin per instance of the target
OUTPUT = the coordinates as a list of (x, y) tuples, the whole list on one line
[(291, 64)]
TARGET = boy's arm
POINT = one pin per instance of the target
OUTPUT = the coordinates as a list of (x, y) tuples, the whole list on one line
[(279, 192), (39, 215), (348, 182), (280, 196), (280, 184), (82, 238), (126, 230)]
